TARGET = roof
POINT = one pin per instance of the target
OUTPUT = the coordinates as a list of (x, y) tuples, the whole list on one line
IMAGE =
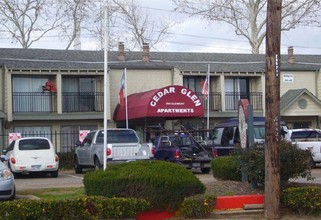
[(167, 102), (292, 95), (48, 59)]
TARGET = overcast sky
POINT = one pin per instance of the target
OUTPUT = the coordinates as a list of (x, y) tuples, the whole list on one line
[(196, 35)]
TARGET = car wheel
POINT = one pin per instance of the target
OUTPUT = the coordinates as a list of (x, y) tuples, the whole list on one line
[(77, 167), (206, 170), (54, 174), (97, 164)]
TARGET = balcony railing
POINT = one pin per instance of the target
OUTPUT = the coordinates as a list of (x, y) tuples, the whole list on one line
[(214, 101), (47, 102), (34, 102), (82, 101), (232, 100)]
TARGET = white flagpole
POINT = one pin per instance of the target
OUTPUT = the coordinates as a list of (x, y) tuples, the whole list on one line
[(106, 23), (126, 97), (208, 101)]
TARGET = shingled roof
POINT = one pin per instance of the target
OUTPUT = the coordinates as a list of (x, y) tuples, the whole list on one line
[(15, 58), (292, 95)]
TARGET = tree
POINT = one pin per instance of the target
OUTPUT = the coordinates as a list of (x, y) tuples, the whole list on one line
[(248, 17), (76, 13), (27, 21), (138, 26)]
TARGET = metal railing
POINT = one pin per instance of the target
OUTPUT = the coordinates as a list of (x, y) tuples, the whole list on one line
[(47, 102), (215, 103), (34, 101), (232, 100), (82, 101), (63, 141)]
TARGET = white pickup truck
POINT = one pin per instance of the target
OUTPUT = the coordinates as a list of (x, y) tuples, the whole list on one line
[(123, 145), (307, 138)]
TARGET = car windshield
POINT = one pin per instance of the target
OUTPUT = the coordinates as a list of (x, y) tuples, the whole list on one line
[(259, 132), (118, 136), (305, 134), (180, 140), (34, 144)]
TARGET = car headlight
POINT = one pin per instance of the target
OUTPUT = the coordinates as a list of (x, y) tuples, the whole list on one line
[(5, 174)]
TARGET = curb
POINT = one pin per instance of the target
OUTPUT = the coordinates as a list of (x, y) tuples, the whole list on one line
[(238, 201)]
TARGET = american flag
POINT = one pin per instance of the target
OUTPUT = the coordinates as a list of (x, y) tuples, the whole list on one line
[(122, 88), (205, 87)]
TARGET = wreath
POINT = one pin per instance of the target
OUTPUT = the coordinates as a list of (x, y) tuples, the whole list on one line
[(49, 86)]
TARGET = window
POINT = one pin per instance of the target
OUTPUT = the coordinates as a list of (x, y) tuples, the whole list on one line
[(88, 139), (69, 135), (28, 95), (34, 131), (119, 136), (306, 134), (78, 93), (34, 144), (236, 89), (194, 83)]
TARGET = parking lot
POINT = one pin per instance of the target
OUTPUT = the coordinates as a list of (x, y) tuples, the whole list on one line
[(68, 178)]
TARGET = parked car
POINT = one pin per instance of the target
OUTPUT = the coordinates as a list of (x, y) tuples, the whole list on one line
[(307, 138), (32, 155), (183, 149), (7, 183), (226, 134), (123, 145)]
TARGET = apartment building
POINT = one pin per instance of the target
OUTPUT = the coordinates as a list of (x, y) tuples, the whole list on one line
[(63, 90)]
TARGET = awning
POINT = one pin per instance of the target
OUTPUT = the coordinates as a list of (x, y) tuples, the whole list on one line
[(168, 102)]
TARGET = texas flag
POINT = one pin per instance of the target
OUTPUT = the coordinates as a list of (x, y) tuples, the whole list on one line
[(122, 88)]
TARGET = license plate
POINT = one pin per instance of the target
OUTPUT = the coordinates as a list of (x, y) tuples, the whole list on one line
[(35, 167), (196, 164)]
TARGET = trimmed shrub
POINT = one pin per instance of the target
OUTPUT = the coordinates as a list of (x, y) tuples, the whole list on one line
[(163, 184), (226, 168), (199, 206), (80, 209), (304, 200), (294, 162)]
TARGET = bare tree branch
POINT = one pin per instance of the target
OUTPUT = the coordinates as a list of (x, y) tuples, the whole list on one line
[(248, 17), (139, 26), (28, 21)]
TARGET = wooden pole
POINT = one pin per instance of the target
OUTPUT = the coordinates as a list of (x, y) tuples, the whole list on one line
[(272, 124)]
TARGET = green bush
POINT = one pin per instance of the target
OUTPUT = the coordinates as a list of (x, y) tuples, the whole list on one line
[(80, 209), (304, 200), (226, 168), (163, 184), (66, 160), (294, 162), (199, 206)]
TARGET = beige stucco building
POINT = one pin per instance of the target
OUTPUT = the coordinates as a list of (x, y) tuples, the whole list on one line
[(77, 103)]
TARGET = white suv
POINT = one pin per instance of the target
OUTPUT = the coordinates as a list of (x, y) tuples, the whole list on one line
[(32, 154)]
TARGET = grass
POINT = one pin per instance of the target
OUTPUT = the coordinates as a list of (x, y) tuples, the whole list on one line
[(55, 193)]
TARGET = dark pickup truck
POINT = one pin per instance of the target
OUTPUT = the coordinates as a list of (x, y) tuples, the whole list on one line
[(184, 149)]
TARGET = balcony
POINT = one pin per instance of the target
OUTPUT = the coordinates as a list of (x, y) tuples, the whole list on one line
[(214, 101), (34, 102), (47, 102), (231, 100), (82, 101)]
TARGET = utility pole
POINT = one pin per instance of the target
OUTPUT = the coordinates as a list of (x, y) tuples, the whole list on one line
[(272, 124)]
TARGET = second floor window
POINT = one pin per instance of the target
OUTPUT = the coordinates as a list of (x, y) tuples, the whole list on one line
[(78, 93), (28, 95)]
